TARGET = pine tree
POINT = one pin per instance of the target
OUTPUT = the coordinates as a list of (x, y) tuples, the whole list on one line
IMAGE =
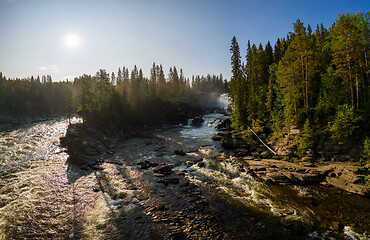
[(182, 82), (119, 76), (235, 58), (346, 51), (113, 79), (153, 80), (238, 87), (85, 98), (161, 82)]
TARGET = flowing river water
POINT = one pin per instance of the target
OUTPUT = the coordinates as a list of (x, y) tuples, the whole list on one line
[(203, 194)]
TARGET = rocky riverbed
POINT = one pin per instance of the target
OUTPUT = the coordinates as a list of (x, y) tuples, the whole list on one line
[(168, 183), (181, 184)]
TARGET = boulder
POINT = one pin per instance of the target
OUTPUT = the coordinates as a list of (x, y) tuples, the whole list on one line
[(147, 164), (226, 124), (231, 143), (217, 137), (197, 122), (240, 153), (180, 152), (339, 175), (167, 181), (347, 178), (164, 169), (277, 177), (285, 151)]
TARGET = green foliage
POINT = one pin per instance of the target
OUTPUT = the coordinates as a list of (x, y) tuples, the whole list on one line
[(305, 139), (239, 116), (105, 100), (210, 84), (238, 89), (320, 78), (345, 123), (365, 157), (367, 181), (33, 96), (347, 52), (235, 57), (320, 161)]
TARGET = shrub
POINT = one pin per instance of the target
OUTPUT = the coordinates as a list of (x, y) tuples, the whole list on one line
[(305, 139), (367, 181), (365, 158), (345, 123)]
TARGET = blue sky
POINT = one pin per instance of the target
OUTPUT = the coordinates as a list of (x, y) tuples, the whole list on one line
[(193, 35)]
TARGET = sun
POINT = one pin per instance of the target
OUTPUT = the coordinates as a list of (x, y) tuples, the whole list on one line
[(72, 40)]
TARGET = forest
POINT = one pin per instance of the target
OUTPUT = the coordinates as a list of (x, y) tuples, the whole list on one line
[(313, 80), (118, 99)]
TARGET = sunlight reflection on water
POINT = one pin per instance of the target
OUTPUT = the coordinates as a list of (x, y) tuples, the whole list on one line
[(37, 141)]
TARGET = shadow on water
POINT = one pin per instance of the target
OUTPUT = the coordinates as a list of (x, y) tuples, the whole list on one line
[(189, 211), (126, 218), (184, 210)]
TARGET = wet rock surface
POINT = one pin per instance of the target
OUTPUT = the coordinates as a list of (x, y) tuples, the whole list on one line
[(260, 163), (197, 121), (176, 208), (339, 175), (180, 152), (229, 141)]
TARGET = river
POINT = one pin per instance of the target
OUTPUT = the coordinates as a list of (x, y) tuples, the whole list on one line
[(143, 190)]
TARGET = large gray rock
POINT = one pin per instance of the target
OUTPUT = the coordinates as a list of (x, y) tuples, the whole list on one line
[(231, 143), (346, 178), (225, 125), (339, 175)]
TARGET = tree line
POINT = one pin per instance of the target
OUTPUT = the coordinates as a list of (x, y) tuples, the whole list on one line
[(316, 80), (34, 95), (120, 98)]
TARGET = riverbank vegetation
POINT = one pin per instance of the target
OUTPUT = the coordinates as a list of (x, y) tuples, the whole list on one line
[(131, 99), (119, 98), (315, 82), (34, 95)]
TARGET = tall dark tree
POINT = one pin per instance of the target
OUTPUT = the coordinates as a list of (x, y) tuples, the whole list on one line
[(347, 53), (235, 58), (238, 87), (153, 80)]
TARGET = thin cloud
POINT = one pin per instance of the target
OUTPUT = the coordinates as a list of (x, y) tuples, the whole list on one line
[(54, 68), (49, 69)]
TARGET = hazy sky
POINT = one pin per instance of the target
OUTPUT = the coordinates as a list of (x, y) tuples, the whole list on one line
[(193, 35)]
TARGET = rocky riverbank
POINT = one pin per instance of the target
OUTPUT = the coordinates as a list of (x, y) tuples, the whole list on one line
[(86, 146), (262, 163), (148, 172), (162, 184)]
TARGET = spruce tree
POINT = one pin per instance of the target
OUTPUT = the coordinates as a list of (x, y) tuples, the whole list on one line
[(238, 87)]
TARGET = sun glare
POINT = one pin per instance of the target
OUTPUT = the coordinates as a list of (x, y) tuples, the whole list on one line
[(72, 40)]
